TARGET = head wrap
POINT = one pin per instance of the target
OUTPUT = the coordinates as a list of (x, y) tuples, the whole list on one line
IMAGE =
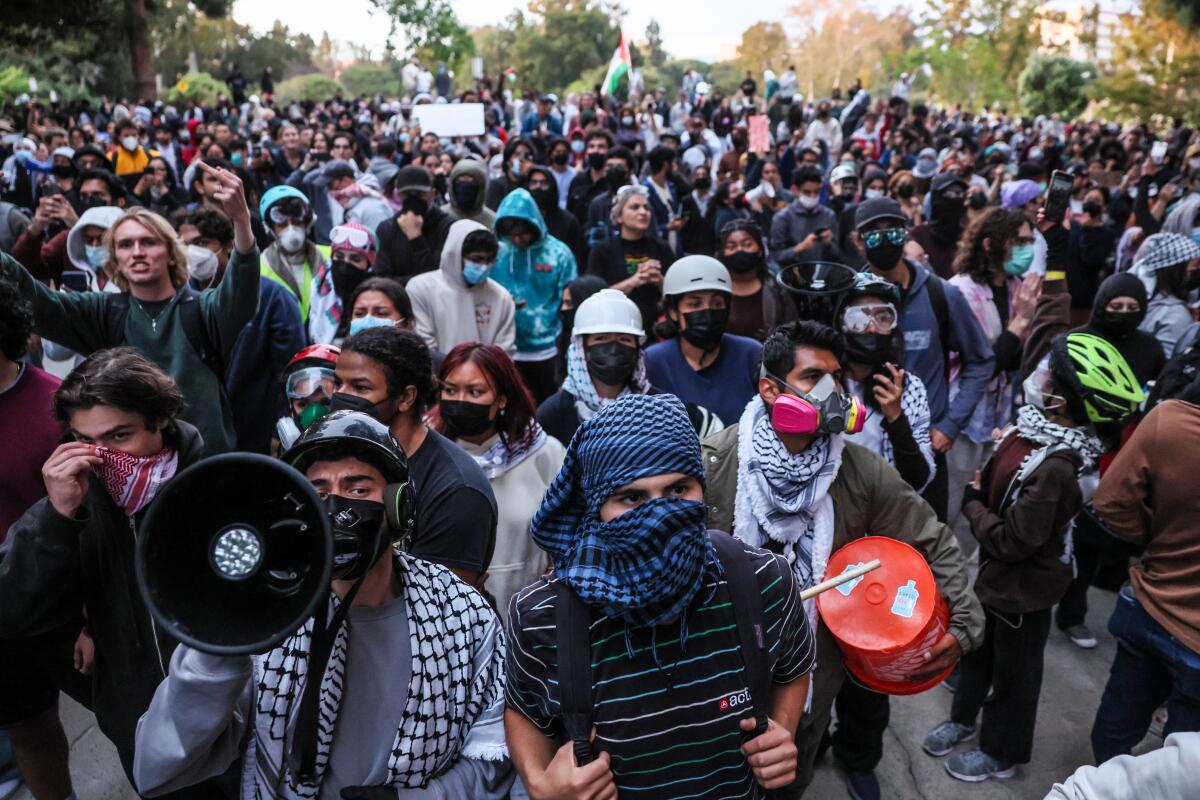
[(1162, 251), (1017, 193), (646, 565), (368, 252)]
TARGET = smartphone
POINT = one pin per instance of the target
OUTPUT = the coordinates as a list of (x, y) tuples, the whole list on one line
[(321, 157), (50, 189), (1158, 152), (820, 231), (1058, 196), (75, 280)]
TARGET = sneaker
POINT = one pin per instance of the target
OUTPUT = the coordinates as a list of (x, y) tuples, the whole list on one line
[(1081, 636), (862, 785), (975, 765), (942, 739)]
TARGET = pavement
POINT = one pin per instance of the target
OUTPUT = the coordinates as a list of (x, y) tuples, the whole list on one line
[(1074, 681)]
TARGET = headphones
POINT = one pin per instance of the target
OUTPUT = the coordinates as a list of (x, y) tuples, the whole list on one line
[(400, 508)]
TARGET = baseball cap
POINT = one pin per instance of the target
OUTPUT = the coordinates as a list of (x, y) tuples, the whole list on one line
[(877, 208), (412, 179)]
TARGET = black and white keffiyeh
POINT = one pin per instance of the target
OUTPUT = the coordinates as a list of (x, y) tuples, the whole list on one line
[(914, 404), (1033, 425), (457, 675), (504, 454)]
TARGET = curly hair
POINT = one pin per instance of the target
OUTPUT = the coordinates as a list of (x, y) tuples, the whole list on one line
[(779, 350), (404, 358), (998, 226), (16, 320)]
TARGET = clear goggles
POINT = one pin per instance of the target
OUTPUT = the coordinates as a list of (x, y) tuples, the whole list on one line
[(353, 238), (858, 319), (303, 383), (291, 210)]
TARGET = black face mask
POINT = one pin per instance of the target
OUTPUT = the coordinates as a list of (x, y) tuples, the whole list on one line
[(741, 262), (596, 161), (947, 216), (886, 255), (705, 328), (464, 419), (616, 177), (416, 205), (703, 184), (869, 348), (977, 200), (63, 171), (359, 537), (92, 201), (346, 278), (567, 317), (342, 401), (465, 193), (611, 363), (543, 197), (1092, 208), (906, 191), (560, 158), (1118, 324), (439, 184)]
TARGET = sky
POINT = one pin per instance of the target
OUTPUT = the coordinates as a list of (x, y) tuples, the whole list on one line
[(704, 29)]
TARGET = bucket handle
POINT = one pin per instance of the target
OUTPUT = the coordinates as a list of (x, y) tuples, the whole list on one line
[(838, 580)]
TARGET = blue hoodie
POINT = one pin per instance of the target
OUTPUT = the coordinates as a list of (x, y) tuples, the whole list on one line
[(924, 351), (535, 276)]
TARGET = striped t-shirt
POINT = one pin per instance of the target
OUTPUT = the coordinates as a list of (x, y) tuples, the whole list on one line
[(671, 728)]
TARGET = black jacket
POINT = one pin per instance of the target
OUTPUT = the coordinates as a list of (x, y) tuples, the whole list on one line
[(400, 258), (52, 563)]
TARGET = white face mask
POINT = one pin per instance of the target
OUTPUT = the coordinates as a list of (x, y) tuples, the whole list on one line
[(291, 239), (202, 263), (130, 143), (872, 194), (808, 202), (1035, 388)]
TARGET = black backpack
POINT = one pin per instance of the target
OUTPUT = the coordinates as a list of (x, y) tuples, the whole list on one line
[(1179, 377), (117, 309), (573, 627)]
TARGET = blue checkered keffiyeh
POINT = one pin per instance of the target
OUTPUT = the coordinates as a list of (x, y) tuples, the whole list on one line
[(646, 565)]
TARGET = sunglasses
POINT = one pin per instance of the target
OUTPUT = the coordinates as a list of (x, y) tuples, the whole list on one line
[(894, 236), (353, 238), (858, 319)]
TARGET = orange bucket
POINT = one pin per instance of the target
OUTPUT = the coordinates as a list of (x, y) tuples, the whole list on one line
[(888, 619)]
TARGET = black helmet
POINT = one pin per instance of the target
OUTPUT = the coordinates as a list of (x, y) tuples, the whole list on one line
[(868, 284)]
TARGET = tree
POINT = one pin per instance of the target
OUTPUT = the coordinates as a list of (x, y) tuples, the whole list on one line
[(196, 86), (1053, 84), (370, 79), (429, 25), (764, 44), (840, 44), (1156, 68), (313, 86), (1186, 11), (656, 56)]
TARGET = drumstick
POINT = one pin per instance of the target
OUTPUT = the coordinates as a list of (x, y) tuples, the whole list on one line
[(825, 586)]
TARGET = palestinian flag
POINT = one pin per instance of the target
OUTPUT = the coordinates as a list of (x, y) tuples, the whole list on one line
[(618, 68)]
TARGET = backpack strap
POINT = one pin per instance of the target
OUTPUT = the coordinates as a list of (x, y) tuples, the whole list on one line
[(573, 622), (941, 312), (116, 309), (748, 611), (192, 318)]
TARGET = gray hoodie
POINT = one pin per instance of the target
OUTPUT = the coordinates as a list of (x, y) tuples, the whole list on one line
[(477, 213)]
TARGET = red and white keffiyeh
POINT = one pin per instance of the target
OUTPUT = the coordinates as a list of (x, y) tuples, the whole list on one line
[(133, 481)]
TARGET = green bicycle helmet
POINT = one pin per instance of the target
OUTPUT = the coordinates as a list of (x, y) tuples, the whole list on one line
[(1105, 383)]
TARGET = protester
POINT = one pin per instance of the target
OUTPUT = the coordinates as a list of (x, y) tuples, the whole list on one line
[(805, 230), (560, 224), (293, 259), (948, 210), (1169, 266), (633, 261), (468, 187), (353, 250), (411, 241), (758, 302)]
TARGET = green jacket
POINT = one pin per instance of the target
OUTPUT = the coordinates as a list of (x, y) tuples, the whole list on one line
[(77, 320), (869, 497)]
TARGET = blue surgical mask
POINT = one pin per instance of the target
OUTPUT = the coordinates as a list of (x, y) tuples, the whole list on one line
[(362, 323), (1196, 235), (96, 254), (475, 274), (1020, 260)]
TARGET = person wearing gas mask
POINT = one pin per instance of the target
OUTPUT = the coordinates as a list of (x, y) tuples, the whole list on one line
[(309, 382), (353, 250), (786, 477), (1169, 266), (947, 214), (701, 363), (266, 343), (759, 302), (468, 187), (460, 303), (388, 716), (486, 410), (605, 360), (561, 224), (1021, 509), (387, 373), (411, 241), (683, 705), (936, 320), (74, 548), (293, 258)]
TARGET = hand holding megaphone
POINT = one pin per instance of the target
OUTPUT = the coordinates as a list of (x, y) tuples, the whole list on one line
[(764, 190)]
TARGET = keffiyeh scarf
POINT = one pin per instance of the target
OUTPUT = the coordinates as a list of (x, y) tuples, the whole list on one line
[(133, 481), (504, 455), (457, 675), (579, 381), (1033, 425)]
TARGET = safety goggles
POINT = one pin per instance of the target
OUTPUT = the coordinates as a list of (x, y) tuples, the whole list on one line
[(894, 236), (858, 319), (303, 383), (354, 238), (292, 211)]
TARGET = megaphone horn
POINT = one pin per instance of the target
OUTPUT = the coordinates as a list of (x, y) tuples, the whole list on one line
[(234, 554)]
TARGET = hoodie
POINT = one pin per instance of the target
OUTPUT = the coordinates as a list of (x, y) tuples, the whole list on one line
[(477, 212), (1141, 350), (535, 276), (447, 312), (101, 217)]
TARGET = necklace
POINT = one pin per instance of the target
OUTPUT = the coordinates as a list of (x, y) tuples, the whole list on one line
[(153, 320)]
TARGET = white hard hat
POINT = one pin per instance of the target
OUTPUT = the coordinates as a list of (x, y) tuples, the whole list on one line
[(608, 311), (843, 171), (696, 274)]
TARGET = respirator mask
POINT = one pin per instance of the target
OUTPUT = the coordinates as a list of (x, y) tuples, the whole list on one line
[(821, 410)]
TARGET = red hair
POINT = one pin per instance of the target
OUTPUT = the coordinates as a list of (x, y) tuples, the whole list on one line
[(500, 371)]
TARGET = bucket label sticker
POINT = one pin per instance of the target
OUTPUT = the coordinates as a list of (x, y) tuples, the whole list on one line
[(906, 600), (848, 587)]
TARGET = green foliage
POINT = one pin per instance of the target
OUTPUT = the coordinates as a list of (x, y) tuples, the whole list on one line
[(218, 44), (1187, 12), (371, 80), (428, 25), (14, 81), (764, 44), (1053, 84), (656, 56), (313, 86), (196, 86)]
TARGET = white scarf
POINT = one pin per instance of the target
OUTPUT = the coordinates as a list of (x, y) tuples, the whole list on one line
[(1033, 425), (784, 498), (503, 455)]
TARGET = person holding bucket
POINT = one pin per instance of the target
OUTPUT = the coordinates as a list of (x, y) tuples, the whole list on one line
[(786, 478), (1021, 510)]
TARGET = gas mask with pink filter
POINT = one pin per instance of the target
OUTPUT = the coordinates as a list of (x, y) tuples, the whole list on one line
[(824, 409)]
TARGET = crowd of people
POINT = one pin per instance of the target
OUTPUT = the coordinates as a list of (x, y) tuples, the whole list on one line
[(596, 395)]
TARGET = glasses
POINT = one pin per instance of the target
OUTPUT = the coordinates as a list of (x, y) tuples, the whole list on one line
[(304, 382), (894, 236), (294, 211), (355, 238), (858, 319)]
